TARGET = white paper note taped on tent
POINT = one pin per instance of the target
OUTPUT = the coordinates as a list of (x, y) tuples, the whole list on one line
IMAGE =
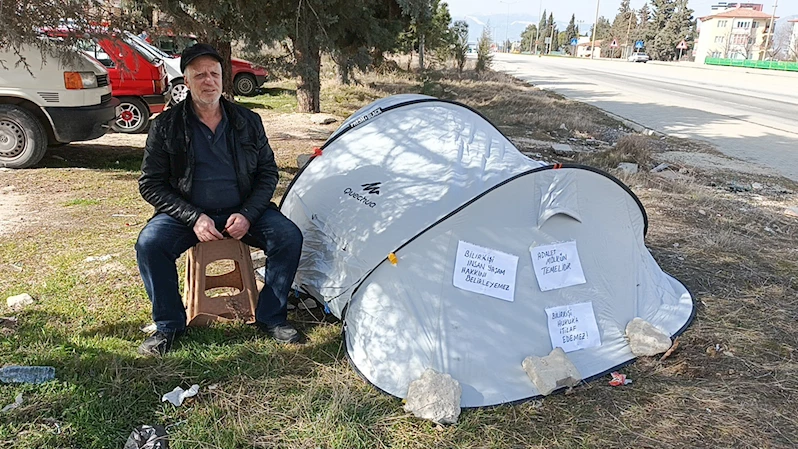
[(484, 270), (557, 265), (573, 327)]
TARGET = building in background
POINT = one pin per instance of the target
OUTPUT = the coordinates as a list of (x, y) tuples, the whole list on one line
[(737, 33)]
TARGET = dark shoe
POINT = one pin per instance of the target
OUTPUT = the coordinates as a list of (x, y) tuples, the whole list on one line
[(159, 343), (284, 332)]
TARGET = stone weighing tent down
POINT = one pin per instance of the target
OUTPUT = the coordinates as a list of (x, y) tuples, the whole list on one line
[(441, 246)]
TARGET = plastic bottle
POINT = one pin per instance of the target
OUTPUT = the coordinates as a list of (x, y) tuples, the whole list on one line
[(27, 374)]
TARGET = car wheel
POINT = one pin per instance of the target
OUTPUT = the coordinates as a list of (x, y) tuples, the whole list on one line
[(134, 118), (178, 92), (23, 140), (245, 85)]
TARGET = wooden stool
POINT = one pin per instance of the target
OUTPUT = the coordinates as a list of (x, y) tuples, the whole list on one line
[(201, 310)]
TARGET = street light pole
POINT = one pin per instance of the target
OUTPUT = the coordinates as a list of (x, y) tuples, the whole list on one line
[(595, 25), (507, 26), (537, 33), (772, 18)]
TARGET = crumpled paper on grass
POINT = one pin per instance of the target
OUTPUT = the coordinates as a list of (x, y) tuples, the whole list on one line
[(147, 437), (17, 402), (178, 395)]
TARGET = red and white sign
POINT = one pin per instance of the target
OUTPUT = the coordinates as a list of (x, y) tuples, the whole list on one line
[(682, 45), (614, 44)]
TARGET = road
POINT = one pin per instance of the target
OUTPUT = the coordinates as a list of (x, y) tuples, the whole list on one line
[(746, 115)]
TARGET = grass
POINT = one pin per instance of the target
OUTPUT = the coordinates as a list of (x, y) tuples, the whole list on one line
[(255, 393)]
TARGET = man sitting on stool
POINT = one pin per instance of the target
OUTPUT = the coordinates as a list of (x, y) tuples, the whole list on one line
[(209, 172)]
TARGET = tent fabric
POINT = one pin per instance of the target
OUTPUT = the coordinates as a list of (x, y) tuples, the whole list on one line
[(415, 177)]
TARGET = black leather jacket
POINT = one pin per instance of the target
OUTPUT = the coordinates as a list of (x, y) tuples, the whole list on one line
[(168, 167)]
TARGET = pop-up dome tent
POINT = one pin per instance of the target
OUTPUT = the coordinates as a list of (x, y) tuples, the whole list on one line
[(441, 246)]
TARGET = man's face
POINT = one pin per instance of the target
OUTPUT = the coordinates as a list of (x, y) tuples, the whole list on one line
[(204, 80)]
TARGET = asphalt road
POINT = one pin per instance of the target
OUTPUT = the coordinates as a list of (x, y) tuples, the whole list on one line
[(747, 114)]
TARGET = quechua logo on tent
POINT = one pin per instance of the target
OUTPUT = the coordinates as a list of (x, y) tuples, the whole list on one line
[(372, 188)]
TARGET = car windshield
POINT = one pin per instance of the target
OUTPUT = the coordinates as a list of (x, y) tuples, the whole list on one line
[(148, 54), (142, 43)]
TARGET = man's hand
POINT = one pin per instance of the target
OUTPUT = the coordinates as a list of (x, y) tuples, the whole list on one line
[(237, 226), (205, 229)]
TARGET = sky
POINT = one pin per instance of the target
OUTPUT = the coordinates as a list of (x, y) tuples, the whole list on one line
[(508, 18), (584, 9)]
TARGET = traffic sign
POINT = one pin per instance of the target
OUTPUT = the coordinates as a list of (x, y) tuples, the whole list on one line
[(682, 45), (639, 44), (547, 40), (614, 44), (574, 41)]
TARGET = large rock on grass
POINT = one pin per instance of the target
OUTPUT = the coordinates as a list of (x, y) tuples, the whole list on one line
[(645, 339), (552, 371), (434, 397), (19, 302)]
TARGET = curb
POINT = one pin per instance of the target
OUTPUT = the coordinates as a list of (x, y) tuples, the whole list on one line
[(642, 129)]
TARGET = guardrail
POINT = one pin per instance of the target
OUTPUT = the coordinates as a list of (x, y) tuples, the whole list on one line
[(767, 65)]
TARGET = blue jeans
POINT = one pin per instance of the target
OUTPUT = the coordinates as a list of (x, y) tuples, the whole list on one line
[(164, 239)]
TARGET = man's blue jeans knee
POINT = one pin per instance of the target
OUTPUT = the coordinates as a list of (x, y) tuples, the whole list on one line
[(164, 239)]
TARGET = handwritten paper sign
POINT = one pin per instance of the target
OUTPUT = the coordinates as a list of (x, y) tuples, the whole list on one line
[(485, 271), (557, 266), (573, 327)]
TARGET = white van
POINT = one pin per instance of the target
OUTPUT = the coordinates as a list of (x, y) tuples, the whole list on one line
[(54, 103)]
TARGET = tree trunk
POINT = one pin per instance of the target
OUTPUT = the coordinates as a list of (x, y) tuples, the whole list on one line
[(343, 67), (308, 64), (224, 50), (421, 52)]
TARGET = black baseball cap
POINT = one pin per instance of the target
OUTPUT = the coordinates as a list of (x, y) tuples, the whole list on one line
[(194, 52)]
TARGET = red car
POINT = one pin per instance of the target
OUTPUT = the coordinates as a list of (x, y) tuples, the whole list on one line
[(138, 79), (247, 77)]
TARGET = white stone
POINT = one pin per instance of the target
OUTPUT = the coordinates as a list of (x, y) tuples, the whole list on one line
[(552, 371), (645, 339), (660, 167), (104, 258), (321, 119), (628, 167), (19, 302), (434, 397)]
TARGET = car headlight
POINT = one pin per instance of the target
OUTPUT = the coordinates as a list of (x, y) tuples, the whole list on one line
[(80, 80)]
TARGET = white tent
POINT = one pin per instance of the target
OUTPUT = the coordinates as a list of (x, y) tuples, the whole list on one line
[(442, 246)]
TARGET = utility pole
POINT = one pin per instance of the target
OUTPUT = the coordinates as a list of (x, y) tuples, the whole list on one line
[(595, 25), (537, 33), (772, 18), (507, 26), (628, 30)]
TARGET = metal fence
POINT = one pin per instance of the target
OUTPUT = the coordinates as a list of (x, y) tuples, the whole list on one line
[(769, 65)]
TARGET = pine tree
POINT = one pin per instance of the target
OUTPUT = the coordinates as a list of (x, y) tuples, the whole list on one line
[(571, 31), (663, 30), (621, 26), (643, 24), (685, 24), (543, 25), (484, 58), (551, 31)]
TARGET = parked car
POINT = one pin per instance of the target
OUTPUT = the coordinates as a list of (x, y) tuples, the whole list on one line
[(638, 57), (138, 78), (247, 77), (60, 102)]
